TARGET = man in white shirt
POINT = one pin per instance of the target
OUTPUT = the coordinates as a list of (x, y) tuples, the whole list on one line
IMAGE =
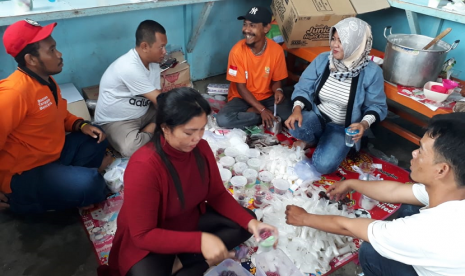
[(429, 243), (129, 89)]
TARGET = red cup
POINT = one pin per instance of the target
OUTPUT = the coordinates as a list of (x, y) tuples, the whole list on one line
[(439, 89)]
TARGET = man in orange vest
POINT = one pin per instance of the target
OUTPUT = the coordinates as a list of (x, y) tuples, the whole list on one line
[(42, 168)]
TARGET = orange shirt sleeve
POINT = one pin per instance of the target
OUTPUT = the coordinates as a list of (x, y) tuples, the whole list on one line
[(14, 109), (236, 68), (280, 73)]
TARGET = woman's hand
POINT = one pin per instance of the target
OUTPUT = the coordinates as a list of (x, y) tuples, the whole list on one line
[(213, 248), (296, 116), (362, 126), (255, 227)]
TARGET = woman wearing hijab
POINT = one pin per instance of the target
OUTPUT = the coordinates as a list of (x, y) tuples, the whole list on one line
[(339, 89)]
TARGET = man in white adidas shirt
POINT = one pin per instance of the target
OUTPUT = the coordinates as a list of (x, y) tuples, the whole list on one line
[(429, 243), (129, 89)]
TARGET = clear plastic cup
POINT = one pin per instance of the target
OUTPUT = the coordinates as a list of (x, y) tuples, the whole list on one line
[(225, 177), (227, 162), (238, 183), (254, 163), (265, 178), (242, 158), (231, 151), (243, 200), (267, 238), (277, 126), (239, 167), (280, 186), (251, 176), (350, 133), (367, 203), (253, 153), (260, 194), (113, 179)]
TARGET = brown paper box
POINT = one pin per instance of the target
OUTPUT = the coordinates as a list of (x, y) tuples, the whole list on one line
[(306, 23), (91, 92), (76, 103), (178, 76)]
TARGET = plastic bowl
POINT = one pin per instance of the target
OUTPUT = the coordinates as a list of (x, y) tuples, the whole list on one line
[(379, 61), (226, 266), (449, 84), (435, 96)]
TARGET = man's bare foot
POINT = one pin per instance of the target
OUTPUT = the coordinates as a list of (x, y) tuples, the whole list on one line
[(253, 109), (150, 128), (107, 160)]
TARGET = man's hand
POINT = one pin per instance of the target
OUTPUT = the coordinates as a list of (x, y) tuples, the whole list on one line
[(3, 202), (362, 126), (278, 96), (296, 116), (295, 215), (268, 118), (93, 132), (338, 190)]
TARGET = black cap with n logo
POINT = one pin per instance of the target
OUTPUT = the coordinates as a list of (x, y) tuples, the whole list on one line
[(257, 15)]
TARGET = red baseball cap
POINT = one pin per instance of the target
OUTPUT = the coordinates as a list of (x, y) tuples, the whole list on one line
[(18, 35)]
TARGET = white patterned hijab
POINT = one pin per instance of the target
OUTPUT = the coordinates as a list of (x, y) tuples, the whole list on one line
[(357, 40)]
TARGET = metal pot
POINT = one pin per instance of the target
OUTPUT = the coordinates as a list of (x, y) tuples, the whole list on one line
[(405, 62)]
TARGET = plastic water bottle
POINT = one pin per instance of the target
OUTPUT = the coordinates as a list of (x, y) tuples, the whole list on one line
[(350, 133)]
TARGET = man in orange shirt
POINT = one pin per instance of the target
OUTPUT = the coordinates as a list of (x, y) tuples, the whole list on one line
[(256, 68), (42, 168)]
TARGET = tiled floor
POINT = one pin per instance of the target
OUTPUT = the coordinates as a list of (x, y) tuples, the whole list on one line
[(55, 244)]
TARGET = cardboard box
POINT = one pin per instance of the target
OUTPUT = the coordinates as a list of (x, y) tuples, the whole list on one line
[(178, 76), (305, 23), (76, 103), (91, 92)]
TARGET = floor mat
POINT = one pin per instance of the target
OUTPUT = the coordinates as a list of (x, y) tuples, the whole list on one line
[(100, 222)]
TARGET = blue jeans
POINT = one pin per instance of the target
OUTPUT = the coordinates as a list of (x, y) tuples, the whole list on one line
[(331, 148), (234, 114), (373, 264), (71, 181)]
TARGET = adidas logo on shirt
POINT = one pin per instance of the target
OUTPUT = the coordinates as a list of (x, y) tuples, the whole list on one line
[(139, 102)]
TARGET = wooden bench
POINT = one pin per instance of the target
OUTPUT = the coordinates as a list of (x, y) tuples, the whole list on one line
[(309, 54)]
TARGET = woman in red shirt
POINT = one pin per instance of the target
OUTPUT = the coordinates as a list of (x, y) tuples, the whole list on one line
[(175, 203)]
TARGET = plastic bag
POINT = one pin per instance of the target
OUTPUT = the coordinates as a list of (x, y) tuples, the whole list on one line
[(381, 155), (306, 171)]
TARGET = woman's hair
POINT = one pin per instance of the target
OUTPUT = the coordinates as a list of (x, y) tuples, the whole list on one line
[(176, 108)]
